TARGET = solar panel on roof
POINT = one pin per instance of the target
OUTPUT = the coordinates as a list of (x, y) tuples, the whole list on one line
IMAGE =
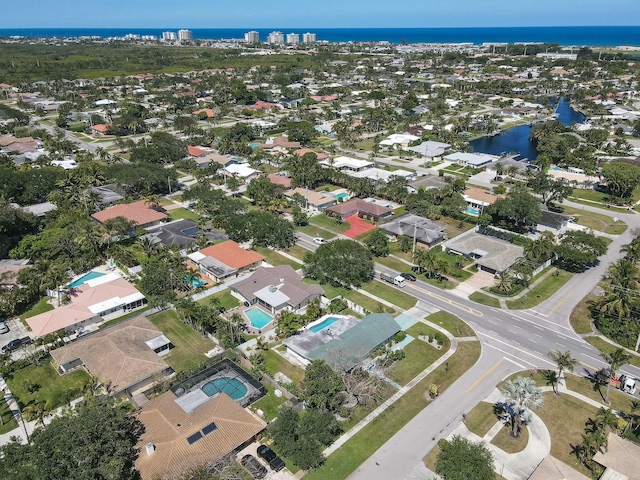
[(194, 438), (209, 428)]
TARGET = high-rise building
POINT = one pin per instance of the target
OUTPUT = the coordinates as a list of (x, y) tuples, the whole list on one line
[(275, 37), (169, 36), (308, 37), (252, 37), (293, 38), (185, 35)]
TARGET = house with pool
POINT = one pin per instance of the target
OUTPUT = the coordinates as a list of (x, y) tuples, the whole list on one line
[(224, 260), (341, 341), (275, 289)]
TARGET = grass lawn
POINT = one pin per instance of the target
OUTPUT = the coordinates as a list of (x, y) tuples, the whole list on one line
[(596, 221), (565, 417), (361, 446), (483, 299), (275, 259), (55, 390), (451, 323), (542, 291), (390, 294), (419, 356), (358, 298), (619, 401), (581, 315), (269, 404), (314, 231), (190, 346), (394, 263), (504, 441), (444, 284), (274, 363), (607, 347), (481, 419), (297, 251), (183, 213), (113, 321), (227, 300), (40, 307), (8, 421), (329, 223), (431, 458)]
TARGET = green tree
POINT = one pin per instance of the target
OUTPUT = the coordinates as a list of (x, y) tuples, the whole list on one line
[(321, 387), (340, 263), (550, 188), (521, 395), (378, 243), (462, 459), (518, 211), (615, 359), (564, 361), (578, 250), (429, 262), (622, 179)]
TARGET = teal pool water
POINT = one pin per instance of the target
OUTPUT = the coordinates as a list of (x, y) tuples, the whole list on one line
[(195, 281), (231, 386), (473, 211), (341, 195), (324, 324), (257, 317), (85, 278)]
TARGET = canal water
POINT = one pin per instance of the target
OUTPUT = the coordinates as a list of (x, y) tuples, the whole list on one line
[(517, 139)]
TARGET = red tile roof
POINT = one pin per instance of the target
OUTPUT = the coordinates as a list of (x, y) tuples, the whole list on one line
[(232, 255), (138, 212), (279, 180), (195, 151), (100, 127), (303, 151)]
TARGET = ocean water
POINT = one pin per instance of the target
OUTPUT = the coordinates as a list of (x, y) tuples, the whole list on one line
[(605, 36)]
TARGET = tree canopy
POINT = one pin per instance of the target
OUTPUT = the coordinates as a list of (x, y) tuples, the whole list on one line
[(341, 263), (578, 250), (622, 178), (462, 459), (321, 386), (518, 211)]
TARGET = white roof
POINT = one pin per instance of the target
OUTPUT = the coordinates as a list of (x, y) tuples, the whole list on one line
[(195, 256), (115, 302), (340, 162), (272, 295), (398, 138), (379, 174), (104, 102), (471, 158), (240, 169), (157, 342)]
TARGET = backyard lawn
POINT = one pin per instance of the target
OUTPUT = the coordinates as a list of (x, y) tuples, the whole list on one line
[(274, 363), (183, 213), (190, 346), (227, 300), (453, 324), (40, 307), (48, 387), (419, 355), (275, 259), (269, 404), (8, 420)]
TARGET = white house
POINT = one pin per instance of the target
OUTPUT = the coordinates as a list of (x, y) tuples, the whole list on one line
[(465, 159)]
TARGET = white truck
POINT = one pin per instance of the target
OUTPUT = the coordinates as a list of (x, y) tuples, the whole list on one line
[(397, 280)]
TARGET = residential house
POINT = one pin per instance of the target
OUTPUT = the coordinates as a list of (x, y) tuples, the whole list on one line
[(348, 163), (317, 200), (127, 356), (399, 140), (225, 259), (40, 210), (378, 174), (553, 469), (478, 199), (362, 208), (138, 212), (421, 229), (276, 289), (621, 459), (223, 160), (106, 194), (100, 128), (279, 180), (492, 254), (319, 155), (476, 160), (281, 144), (430, 150), (181, 232), (242, 171)]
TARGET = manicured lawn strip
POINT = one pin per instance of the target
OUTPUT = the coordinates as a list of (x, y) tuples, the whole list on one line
[(361, 446), (183, 213), (483, 299), (129, 315), (314, 231), (190, 346), (542, 291), (619, 401), (444, 284), (390, 294), (451, 323), (165, 201), (596, 221), (419, 356), (297, 251), (40, 307), (607, 347), (504, 441), (581, 315), (227, 300), (329, 223), (274, 363), (481, 419), (275, 259), (8, 420), (565, 418), (358, 298), (55, 390), (592, 204), (269, 404), (394, 263), (431, 458)]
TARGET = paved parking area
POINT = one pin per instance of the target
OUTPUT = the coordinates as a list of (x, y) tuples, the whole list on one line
[(281, 475), (16, 330)]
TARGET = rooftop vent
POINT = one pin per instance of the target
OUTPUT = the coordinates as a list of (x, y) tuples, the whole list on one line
[(150, 448)]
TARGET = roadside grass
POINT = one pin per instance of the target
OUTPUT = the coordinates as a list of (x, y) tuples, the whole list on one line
[(542, 291), (190, 346), (183, 213), (274, 363), (431, 458), (297, 251), (358, 298), (315, 231), (453, 324), (269, 404), (565, 418), (54, 390), (361, 446), (390, 294), (394, 263), (504, 441), (605, 346), (275, 259), (595, 391), (580, 317), (481, 419), (584, 201), (483, 299), (8, 420), (444, 284), (40, 307), (329, 223), (227, 300), (419, 355), (165, 201), (596, 221)]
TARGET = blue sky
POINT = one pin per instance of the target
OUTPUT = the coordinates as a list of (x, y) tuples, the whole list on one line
[(318, 14)]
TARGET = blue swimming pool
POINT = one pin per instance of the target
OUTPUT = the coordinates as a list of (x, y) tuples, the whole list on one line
[(323, 324), (85, 278), (341, 195), (195, 281), (258, 318), (231, 386), (473, 211)]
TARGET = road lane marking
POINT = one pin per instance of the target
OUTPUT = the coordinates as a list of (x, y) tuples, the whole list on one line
[(560, 302), (532, 341), (521, 352), (453, 303), (538, 335), (563, 346), (587, 365), (485, 375)]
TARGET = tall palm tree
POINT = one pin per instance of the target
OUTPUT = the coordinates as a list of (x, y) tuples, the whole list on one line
[(55, 277), (521, 396), (619, 302), (564, 361), (606, 418), (429, 263), (615, 359), (632, 250), (551, 376)]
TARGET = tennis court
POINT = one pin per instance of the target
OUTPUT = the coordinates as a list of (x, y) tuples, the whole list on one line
[(358, 226)]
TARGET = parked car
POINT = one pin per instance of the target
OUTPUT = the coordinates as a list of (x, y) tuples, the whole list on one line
[(408, 276), (3, 327), (15, 344), (319, 240), (253, 466), (274, 461)]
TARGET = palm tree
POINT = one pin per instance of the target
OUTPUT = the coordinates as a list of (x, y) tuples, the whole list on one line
[(632, 250), (624, 274), (504, 282), (619, 302), (429, 263), (36, 411), (55, 277), (551, 376), (606, 418), (615, 359), (521, 395), (564, 361)]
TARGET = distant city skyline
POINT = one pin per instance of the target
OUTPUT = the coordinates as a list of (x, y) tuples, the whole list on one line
[(288, 14)]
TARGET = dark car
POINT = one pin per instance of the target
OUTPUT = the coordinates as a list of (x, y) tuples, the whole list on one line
[(274, 461), (408, 276), (15, 344), (253, 466)]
